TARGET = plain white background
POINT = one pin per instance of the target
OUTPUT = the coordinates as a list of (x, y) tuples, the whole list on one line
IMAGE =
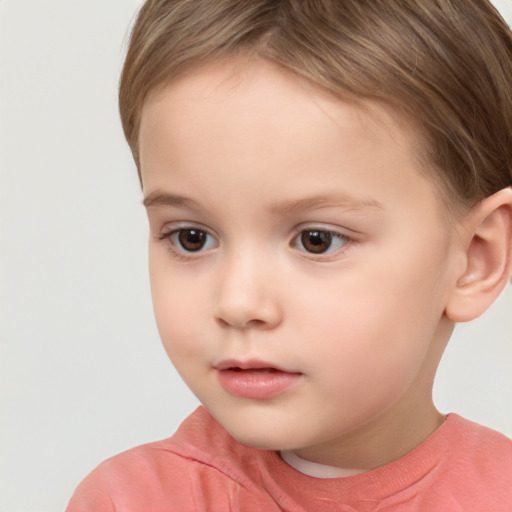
[(82, 372)]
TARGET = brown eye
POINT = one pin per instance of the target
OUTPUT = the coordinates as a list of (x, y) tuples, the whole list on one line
[(191, 240), (318, 241)]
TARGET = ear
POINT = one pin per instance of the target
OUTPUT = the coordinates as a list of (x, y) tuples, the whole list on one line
[(487, 236)]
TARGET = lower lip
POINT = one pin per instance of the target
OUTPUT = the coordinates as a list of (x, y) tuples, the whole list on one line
[(255, 384)]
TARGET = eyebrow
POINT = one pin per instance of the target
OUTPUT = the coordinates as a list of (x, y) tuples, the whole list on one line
[(346, 202), (325, 201), (158, 198)]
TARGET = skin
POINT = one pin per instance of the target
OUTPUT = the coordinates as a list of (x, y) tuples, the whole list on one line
[(262, 157)]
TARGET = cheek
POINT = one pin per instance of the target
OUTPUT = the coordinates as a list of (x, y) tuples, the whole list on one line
[(182, 334), (177, 307), (369, 332)]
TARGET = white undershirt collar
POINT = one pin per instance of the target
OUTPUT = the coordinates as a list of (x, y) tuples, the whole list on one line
[(317, 470)]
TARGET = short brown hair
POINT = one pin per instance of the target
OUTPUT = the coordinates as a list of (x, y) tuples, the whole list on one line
[(444, 64)]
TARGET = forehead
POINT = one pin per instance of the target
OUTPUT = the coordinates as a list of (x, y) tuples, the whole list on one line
[(209, 94), (247, 80), (235, 120)]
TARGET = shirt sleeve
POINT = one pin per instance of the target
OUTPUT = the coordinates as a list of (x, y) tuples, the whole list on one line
[(92, 494)]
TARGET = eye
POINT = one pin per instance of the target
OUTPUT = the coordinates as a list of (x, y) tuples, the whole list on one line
[(192, 239), (318, 241)]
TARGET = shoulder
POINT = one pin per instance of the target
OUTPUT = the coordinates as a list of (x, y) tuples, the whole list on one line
[(177, 470), (479, 464), (482, 443)]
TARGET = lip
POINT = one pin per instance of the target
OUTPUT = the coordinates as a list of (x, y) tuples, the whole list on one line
[(255, 379)]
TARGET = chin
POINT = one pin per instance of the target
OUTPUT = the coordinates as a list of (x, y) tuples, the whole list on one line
[(262, 433), (261, 441)]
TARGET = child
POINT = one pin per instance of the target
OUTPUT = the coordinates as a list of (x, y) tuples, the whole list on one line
[(328, 187)]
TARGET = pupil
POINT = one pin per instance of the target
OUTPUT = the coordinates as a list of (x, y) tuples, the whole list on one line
[(316, 241), (192, 239)]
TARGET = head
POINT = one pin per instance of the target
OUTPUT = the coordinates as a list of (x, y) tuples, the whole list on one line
[(328, 187)]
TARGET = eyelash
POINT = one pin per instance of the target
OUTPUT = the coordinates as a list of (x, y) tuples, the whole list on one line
[(174, 245), (322, 235)]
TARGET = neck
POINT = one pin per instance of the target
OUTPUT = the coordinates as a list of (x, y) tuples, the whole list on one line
[(375, 444)]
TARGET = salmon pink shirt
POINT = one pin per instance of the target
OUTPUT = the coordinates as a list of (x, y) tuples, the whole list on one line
[(460, 467)]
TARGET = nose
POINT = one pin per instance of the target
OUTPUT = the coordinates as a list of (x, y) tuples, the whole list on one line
[(247, 294)]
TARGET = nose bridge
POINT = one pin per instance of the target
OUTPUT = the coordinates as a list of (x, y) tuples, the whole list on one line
[(246, 293)]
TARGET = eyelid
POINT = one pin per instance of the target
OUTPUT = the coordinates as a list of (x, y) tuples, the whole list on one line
[(328, 228), (172, 227)]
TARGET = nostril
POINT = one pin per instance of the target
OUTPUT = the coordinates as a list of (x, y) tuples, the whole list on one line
[(255, 323), (222, 322), (244, 311)]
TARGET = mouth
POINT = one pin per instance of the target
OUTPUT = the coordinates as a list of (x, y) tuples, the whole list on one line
[(256, 380), (253, 370), (251, 365)]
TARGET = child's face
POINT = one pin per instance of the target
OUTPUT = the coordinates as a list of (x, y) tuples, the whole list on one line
[(292, 231)]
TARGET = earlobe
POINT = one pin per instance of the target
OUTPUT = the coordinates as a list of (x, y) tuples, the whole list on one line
[(488, 257)]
